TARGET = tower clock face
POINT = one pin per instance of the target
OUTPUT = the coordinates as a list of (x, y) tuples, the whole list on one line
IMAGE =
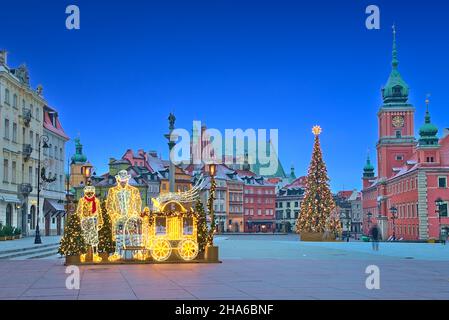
[(398, 121)]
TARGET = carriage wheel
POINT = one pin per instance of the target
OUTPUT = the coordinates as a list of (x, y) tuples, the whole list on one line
[(188, 249), (161, 250)]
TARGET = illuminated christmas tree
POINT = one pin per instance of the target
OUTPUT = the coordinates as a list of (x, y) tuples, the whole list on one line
[(72, 243), (201, 226), (318, 206), (106, 243)]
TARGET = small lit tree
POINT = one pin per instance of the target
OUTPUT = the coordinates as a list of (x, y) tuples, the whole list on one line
[(106, 243), (202, 230), (72, 243)]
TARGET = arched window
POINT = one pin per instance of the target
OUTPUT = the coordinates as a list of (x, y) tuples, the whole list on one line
[(9, 215), (33, 217)]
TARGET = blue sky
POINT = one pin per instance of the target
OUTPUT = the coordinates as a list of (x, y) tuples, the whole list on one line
[(232, 64)]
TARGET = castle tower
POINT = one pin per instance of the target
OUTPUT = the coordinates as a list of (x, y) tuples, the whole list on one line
[(396, 122), (428, 145)]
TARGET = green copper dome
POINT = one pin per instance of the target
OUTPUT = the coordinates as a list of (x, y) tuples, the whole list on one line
[(78, 157), (368, 169), (428, 131), (396, 90)]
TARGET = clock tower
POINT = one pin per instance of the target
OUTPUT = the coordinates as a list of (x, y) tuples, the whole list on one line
[(396, 122)]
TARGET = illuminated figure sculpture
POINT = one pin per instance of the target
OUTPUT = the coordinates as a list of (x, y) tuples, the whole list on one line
[(89, 211), (124, 207)]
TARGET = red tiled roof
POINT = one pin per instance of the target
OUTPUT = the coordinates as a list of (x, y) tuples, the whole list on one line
[(345, 194), (245, 173), (297, 183), (49, 126)]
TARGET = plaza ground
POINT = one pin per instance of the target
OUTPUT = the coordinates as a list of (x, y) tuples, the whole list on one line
[(254, 267)]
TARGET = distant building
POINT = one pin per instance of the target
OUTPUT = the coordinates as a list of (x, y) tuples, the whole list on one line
[(288, 204), (23, 120), (80, 167), (259, 202), (55, 192)]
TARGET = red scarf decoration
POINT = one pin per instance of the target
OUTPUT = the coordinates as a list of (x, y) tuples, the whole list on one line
[(94, 205)]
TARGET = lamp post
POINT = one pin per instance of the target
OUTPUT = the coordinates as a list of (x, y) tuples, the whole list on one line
[(394, 216), (438, 204), (369, 215), (210, 201), (348, 226), (42, 144)]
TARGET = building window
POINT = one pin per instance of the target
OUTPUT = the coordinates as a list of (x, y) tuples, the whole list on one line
[(442, 182), (14, 100), (398, 134), (429, 159), (9, 215), (14, 132), (30, 175), (399, 157), (5, 170), (31, 137), (14, 170), (443, 210), (6, 129), (7, 96), (296, 204)]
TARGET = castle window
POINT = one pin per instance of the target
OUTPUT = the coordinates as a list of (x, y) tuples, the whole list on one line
[(442, 182), (399, 157), (443, 210), (430, 159), (398, 134)]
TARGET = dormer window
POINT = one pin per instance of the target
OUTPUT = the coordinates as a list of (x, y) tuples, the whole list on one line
[(397, 90)]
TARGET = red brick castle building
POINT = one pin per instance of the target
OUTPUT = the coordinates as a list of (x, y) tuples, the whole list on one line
[(409, 197)]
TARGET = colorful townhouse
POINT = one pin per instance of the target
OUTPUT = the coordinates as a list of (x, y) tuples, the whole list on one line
[(259, 199)]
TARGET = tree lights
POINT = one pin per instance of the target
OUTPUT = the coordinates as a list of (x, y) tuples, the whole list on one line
[(317, 215)]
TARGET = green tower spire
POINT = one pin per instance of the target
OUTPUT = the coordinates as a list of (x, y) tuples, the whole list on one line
[(368, 169), (396, 90), (78, 157), (428, 131)]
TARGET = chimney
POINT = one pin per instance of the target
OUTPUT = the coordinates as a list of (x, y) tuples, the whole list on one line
[(3, 57), (153, 153)]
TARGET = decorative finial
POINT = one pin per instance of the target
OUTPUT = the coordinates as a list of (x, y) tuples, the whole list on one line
[(395, 61), (171, 121), (316, 130), (427, 101)]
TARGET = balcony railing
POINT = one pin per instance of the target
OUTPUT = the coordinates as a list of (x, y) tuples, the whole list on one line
[(25, 189), (27, 150), (26, 115)]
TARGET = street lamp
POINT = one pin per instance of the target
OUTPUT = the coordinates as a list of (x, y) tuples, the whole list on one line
[(438, 204), (369, 215), (348, 226), (394, 216), (42, 144), (212, 170)]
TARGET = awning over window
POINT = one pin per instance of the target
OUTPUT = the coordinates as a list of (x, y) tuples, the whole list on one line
[(53, 207), (9, 198)]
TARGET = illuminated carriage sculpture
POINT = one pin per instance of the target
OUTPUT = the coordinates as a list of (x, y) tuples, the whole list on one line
[(173, 229)]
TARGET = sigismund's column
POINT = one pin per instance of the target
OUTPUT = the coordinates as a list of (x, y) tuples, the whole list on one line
[(172, 138)]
